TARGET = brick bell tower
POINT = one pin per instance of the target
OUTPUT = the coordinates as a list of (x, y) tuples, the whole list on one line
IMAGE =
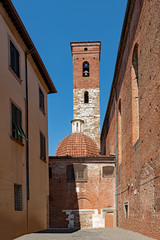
[(86, 57)]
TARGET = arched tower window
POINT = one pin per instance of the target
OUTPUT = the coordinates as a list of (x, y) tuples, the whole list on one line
[(86, 97), (85, 69), (135, 96)]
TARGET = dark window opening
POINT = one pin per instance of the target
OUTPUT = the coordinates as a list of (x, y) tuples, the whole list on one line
[(107, 171), (17, 131), (17, 197), (41, 100), (85, 69), (42, 147), (50, 172), (76, 172), (126, 210), (77, 126), (119, 106), (14, 59), (86, 97), (135, 63)]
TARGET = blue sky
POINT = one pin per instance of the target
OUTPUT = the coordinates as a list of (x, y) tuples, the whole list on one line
[(52, 25)]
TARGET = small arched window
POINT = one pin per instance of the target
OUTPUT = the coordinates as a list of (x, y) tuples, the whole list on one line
[(135, 64), (85, 69), (86, 97), (77, 127)]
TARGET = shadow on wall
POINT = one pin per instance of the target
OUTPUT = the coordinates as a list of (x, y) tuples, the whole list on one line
[(63, 216)]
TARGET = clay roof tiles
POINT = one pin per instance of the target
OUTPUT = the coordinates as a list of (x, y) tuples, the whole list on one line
[(77, 144)]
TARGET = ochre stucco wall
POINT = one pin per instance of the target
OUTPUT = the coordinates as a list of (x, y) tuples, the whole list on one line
[(13, 155)]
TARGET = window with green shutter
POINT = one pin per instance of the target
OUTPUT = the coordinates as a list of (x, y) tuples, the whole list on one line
[(17, 131), (16, 123), (14, 59)]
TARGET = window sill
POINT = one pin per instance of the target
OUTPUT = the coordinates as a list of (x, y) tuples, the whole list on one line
[(77, 181), (44, 113), (20, 143), (18, 78), (44, 160), (106, 177)]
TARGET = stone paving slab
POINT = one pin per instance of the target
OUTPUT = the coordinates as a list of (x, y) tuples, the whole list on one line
[(85, 234)]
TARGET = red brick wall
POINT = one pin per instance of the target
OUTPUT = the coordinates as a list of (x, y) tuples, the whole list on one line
[(91, 56), (140, 162), (96, 193)]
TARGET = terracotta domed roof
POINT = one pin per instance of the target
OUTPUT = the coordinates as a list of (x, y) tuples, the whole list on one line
[(77, 144)]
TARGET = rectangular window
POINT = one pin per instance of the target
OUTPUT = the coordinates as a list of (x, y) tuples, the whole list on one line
[(16, 123), (77, 172), (41, 100), (50, 172), (42, 147), (107, 171), (17, 197), (14, 59), (126, 209)]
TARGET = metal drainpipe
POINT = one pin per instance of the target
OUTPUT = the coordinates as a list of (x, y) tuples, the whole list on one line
[(27, 135), (116, 133)]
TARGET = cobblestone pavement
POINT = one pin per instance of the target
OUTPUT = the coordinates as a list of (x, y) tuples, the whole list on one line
[(84, 234)]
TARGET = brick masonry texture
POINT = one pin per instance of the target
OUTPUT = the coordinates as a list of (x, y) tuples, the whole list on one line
[(81, 203), (138, 166), (89, 112)]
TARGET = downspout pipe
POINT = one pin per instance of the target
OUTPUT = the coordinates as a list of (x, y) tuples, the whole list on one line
[(116, 160), (27, 131)]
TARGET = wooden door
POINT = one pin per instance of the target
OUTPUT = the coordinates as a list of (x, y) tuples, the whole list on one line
[(109, 220)]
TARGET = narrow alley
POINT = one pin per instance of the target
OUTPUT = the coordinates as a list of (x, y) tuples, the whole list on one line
[(86, 234)]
